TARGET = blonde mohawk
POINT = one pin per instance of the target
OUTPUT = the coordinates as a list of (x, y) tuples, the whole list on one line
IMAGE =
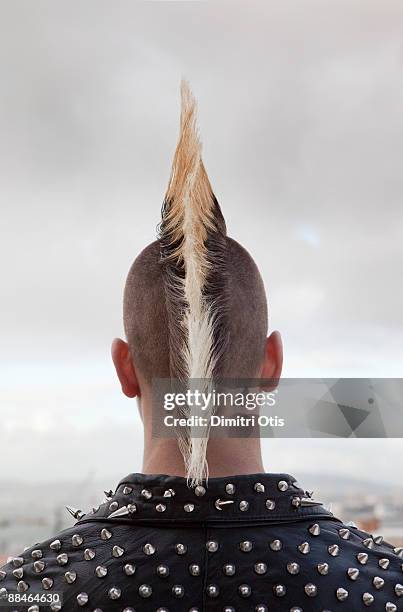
[(193, 254)]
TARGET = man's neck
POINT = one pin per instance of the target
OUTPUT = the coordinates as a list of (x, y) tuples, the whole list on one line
[(226, 457)]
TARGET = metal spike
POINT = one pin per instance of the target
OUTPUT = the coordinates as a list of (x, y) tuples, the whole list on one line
[(390, 607), (296, 501), (169, 493), (17, 561), (323, 568), (117, 551), (77, 514), (368, 599), (113, 506), (114, 593), (39, 566), (362, 558), (293, 568), (82, 599), (146, 494), (127, 490), (333, 550), (77, 540), (378, 582), (259, 487), (70, 577), (353, 573), (101, 571), (309, 503), (47, 583), (122, 511), (378, 540), (129, 569), (384, 563), (311, 589), (55, 545), (62, 559), (18, 573), (132, 508), (109, 494), (22, 586), (344, 533), (304, 548), (37, 554), (219, 503), (368, 543), (105, 534), (398, 551), (89, 554), (399, 590), (341, 594), (3, 574), (276, 545), (314, 529)]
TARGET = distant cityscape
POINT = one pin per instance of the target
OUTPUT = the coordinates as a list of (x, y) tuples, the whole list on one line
[(31, 513)]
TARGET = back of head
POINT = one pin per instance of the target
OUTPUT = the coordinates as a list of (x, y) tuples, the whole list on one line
[(194, 301)]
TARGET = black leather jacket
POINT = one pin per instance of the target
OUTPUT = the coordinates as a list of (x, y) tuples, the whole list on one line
[(243, 543)]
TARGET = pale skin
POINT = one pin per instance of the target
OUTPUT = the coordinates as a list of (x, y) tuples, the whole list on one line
[(226, 457)]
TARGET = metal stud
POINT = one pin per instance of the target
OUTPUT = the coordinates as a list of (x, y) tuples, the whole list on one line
[(275, 545), (399, 589), (114, 593), (260, 568), (378, 540), (89, 554), (311, 589), (244, 590), (333, 550), (362, 558), (384, 563), (70, 577), (39, 566), (62, 559), (230, 488), (146, 494), (279, 590), (353, 573), (132, 508), (18, 573), (296, 501), (369, 543), (77, 540), (169, 493), (323, 568), (270, 504), (127, 490), (17, 561), (160, 507), (341, 594), (178, 591), (55, 545), (200, 491), (212, 590), (259, 487), (194, 569), (101, 571), (55, 606), (180, 549), (344, 533), (261, 608), (229, 569), (314, 529), (105, 534), (188, 507), (246, 546), (149, 549), (304, 548), (33, 608), (282, 485), (243, 505), (398, 551), (47, 583), (37, 554), (378, 582), (82, 599), (368, 599), (212, 546), (3, 574), (117, 551), (390, 607), (129, 569), (3, 593), (163, 571), (113, 506), (293, 568)]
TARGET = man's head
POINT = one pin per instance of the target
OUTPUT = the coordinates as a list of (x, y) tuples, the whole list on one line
[(194, 301)]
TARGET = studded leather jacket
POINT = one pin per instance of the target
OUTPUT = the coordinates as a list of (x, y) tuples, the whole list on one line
[(255, 543)]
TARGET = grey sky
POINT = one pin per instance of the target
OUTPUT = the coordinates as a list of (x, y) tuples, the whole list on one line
[(300, 109)]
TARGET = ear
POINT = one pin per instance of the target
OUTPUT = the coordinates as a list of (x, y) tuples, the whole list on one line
[(273, 361), (124, 366)]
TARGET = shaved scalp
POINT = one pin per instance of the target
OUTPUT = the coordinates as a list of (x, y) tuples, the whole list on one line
[(194, 301)]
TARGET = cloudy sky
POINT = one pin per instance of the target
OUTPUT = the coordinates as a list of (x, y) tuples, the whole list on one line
[(301, 117)]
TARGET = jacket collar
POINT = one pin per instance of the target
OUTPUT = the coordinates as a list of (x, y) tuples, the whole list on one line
[(249, 498)]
